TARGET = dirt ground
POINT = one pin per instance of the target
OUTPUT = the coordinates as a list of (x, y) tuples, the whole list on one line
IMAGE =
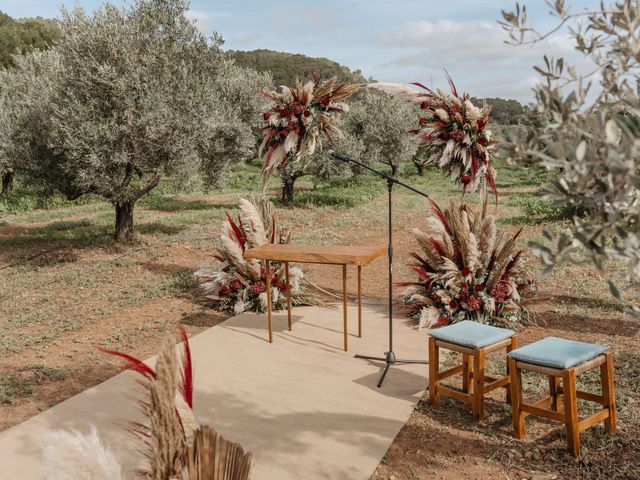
[(66, 288)]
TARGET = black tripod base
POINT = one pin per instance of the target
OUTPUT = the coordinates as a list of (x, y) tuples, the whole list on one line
[(390, 359)]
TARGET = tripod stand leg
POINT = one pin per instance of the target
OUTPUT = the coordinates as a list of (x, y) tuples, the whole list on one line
[(384, 374)]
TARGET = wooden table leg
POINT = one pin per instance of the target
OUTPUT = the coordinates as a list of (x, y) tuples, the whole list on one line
[(286, 272), (268, 277), (359, 301), (344, 304)]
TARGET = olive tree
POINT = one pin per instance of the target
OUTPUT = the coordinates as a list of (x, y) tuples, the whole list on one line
[(590, 132), (139, 97), (382, 123), (25, 91)]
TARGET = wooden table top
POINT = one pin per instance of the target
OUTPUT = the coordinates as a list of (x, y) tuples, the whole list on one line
[(335, 255)]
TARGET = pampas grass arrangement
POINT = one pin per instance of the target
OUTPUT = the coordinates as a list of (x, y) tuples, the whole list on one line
[(454, 132), (467, 268), (298, 119), (238, 284)]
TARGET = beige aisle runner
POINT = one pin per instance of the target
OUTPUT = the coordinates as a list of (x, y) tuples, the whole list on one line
[(305, 408)]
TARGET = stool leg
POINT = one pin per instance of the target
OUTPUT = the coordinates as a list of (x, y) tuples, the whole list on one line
[(478, 384), (608, 394), (516, 399), (571, 410), (554, 383), (434, 372), (512, 346), (467, 382)]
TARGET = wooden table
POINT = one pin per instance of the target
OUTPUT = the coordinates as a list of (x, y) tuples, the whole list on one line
[(333, 255)]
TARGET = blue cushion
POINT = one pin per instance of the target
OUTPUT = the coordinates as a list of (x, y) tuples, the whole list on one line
[(471, 334), (557, 352)]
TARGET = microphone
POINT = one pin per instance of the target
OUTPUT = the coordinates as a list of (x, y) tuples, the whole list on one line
[(340, 156)]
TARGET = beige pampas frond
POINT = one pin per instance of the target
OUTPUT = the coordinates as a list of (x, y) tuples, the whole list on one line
[(487, 237), (167, 441), (70, 455), (252, 223)]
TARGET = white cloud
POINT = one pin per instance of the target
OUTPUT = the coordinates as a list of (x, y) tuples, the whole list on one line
[(475, 53), (204, 21)]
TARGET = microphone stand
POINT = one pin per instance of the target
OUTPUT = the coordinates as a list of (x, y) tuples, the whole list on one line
[(389, 357)]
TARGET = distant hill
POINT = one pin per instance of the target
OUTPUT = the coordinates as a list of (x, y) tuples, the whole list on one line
[(505, 112), (286, 67), (24, 35)]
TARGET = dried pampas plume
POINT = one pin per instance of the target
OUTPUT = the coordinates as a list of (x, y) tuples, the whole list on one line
[(70, 455)]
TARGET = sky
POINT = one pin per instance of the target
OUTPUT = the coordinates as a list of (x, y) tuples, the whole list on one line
[(399, 41)]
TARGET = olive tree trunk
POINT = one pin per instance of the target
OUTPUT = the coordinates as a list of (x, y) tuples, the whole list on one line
[(7, 182), (420, 169), (124, 221), (289, 178), (287, 190), (394, 170)]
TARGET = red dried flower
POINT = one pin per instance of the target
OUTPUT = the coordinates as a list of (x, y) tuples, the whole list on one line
[(236, 285), (453, 304), (423, 121), (481, 123), (457, 135), (474, 303), (483, 141), (500, 293), (326, 101), (297, 108), (283, 133), (442, 321), (465, 271), (424, 105), (465, 179), (266, 115), (225, 291), (258, 287), (307, 113), (479, 287)]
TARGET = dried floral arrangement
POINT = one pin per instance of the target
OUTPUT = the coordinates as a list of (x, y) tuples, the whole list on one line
[(468, 269), (455, 133), (239, 284), (299, 117), (176, 445)]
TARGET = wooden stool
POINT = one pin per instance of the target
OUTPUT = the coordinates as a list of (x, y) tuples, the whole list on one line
[(563, 359), (473, 340)]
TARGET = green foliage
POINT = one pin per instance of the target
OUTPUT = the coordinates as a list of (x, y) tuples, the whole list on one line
[(590, 134), (24, 36), (138, 93), (286, 67), (382, 123)]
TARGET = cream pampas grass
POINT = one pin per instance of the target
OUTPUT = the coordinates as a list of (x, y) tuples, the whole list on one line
[(467, 269), (71, 455)]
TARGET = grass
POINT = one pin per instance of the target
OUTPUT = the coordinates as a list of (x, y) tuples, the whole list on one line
[(66, 286)]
